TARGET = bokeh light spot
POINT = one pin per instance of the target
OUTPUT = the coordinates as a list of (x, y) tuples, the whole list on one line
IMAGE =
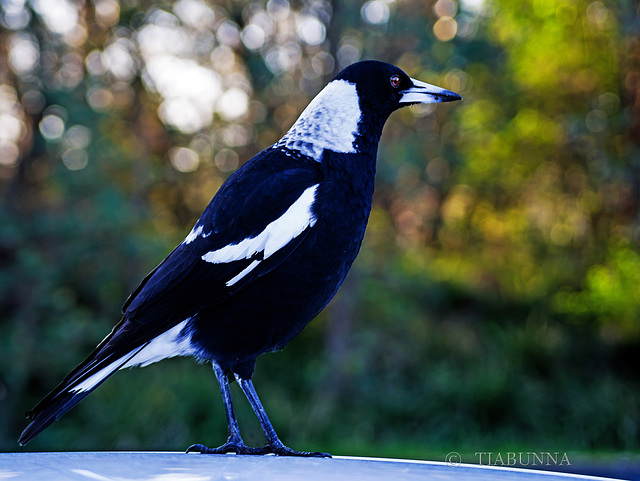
[(9, 153), (226, 160), (195, 13), (23, 53), (75, 159), (445, 8), (375, 12), (445, 29), (233, 104), (310, 30), (100, 99), (597, 13), (253, 36), (61, 16), (596, 121), (228, 34), (107, 12), (51, 127), (78, 136), (184, 159), (14, 15)]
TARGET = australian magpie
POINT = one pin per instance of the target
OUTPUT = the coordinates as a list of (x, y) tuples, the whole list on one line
[(269, 252)]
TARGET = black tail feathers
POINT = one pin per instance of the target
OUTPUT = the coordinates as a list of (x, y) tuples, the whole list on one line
[(42, 417)]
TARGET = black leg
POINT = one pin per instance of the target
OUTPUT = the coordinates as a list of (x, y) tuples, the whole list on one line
[(274, 444), (234, 443)]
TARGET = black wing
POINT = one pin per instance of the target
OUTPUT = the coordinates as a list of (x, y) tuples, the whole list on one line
[(243, 208)]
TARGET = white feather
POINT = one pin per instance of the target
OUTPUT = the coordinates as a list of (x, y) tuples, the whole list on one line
[(174, 342), (330, 122), (171, 343), (96, 378), (273, 238), (242, 273), (195, 232)]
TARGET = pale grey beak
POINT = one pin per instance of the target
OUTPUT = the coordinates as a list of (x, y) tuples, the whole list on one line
[(424, 93)]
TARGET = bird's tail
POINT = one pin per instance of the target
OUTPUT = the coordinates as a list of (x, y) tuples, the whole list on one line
[(78, 384)]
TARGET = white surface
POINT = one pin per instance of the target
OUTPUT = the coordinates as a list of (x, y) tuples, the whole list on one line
[(128, 466)]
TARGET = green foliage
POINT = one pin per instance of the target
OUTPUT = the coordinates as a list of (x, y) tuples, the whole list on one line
[(495, 301)]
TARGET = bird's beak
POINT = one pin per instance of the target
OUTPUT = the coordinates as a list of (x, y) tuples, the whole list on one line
[(424, 93)]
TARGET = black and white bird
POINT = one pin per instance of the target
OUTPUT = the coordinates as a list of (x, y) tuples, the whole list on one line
[(269, 252)]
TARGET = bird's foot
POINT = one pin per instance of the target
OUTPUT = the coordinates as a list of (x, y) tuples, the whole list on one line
[(238, 447), (282, 450), (231, 446)]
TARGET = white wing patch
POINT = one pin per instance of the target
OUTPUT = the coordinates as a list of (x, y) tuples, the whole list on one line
[(171, 343), (96, 378), (273, 238), (330, 122), (195, 232), (242, 273)]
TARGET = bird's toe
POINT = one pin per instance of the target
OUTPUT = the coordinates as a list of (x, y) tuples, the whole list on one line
[(241, 448), (200, 448), (282, 450), (237, 447)]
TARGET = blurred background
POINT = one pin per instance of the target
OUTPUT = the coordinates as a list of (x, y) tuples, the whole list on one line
[(495, 304)]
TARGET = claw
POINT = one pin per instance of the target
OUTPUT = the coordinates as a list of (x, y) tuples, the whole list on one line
[(197, 448), (241, 448), (228, 447), (285, 451), (276, 447)]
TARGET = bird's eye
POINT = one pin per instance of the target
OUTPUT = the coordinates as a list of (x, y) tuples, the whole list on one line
[(395, 81)]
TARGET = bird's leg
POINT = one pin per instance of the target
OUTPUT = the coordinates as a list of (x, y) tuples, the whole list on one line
[(234, 443), (274, 446)]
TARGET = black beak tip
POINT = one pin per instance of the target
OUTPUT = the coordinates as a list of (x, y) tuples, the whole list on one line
[(449, 96)]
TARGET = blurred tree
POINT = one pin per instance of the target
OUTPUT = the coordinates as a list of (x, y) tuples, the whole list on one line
[(497, 288)]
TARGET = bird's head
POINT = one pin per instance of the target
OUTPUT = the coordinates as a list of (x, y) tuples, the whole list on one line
[(347, 116), (385, 87)]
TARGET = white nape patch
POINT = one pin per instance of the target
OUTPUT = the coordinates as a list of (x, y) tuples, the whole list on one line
[(330, 122), (169, 344), (273, 238), (195, 232)]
